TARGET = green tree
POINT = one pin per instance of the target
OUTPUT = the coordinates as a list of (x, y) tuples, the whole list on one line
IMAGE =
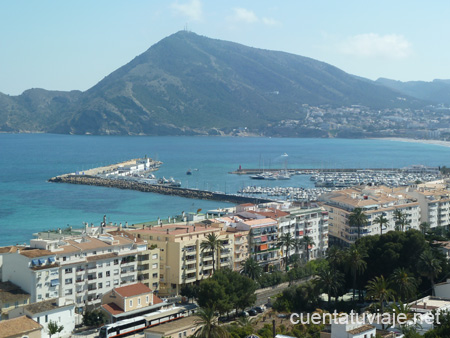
[(208, 326), (355, 263), (429, 267), (211, 295), (424, 227), (212, 244), (358, 219), (287, 241), (403, 283), (94, 318), (189, 291), (381, 221), (379, 289), (308, 242), (54, 328), (251, 268), (329, 281), (401, 220)]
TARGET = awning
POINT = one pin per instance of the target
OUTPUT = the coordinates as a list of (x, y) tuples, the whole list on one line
[(263, 238), (34, 262), (51, 259), (54, 282), (42, 261), (263, 247)]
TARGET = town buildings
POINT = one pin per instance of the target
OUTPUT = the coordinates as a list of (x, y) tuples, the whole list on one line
[(374, 201)]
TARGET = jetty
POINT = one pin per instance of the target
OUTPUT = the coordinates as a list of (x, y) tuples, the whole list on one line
[(132, 175)]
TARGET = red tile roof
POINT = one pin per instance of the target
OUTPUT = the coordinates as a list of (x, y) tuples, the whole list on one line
[(132, 290), (112, 308), (18, 327), (156, 300)]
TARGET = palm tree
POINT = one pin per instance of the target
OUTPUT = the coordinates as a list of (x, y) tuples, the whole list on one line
[(308, 243), (251, 268), (379, 288), (381, 220), (403, 283), (357, 219), (287, 241), (212, 244), (208, 326), (335, 256), (429, 266), (330, 281), (424, 227), (355, 263), (400, 220)]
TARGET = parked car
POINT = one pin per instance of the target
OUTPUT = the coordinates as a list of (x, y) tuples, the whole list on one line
[(260, 309), (243, 314), (252, 312)]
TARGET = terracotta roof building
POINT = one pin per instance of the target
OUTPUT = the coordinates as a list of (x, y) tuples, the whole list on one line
[(19, 327)]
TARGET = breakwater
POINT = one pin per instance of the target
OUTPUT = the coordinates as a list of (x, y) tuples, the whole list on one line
[(155, 188)]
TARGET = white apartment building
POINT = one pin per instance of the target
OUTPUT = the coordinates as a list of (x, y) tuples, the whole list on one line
[(374, 201), (434, 201), (80, 269)]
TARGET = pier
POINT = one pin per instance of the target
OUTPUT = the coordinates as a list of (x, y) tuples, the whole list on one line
[(300, 171), (155, 188)]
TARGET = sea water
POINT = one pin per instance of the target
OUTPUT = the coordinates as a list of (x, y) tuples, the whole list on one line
[(28, 203)]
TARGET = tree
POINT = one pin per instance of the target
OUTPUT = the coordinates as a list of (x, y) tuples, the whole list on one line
[(381, 220), (189, 291), (286, 240), (211, 295), (379, 288), (330, 281), (94, 318), (357, 219), (403, 283), (212, 244), (355, 263), (54, 328), (308, 243), (208, 326), (429, 267), (401, 220), (251, 268), (424, 227)]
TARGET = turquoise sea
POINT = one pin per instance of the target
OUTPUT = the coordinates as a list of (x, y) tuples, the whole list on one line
[(28, 203)]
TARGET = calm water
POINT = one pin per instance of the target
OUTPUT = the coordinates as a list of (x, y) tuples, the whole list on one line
[(29, 204)]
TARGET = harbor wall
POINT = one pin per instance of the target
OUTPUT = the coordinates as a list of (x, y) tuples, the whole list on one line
[(155, 188)]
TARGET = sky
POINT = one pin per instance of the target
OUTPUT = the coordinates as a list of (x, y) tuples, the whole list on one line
[(72, 45)]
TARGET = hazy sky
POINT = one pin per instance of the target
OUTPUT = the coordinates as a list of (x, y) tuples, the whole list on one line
[(65, 45)]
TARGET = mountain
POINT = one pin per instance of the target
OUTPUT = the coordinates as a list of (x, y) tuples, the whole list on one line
[(437, 91), (190, 84)]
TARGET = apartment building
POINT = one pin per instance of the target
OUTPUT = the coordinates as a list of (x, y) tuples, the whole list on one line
[(374, 201), (181, 258), (434, 201), (11, 297), (80, 269)]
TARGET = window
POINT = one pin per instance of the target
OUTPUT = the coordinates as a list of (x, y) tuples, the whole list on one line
[(155, 256), (68, 292), (68, 281), (64, 259), (68, 270), (116, 271), (116, 282), (100, 285), (131, 303), (100, 275), (155, 285), (155, 266), (155, 275), (108, 284), (108, 273), (108, 264), (116, 261), (139, 301), (39, 297), (16, 304), (147, 299), (46, 318)]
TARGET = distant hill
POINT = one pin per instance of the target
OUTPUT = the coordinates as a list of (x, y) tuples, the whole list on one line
[(437, 91), (190, 84)]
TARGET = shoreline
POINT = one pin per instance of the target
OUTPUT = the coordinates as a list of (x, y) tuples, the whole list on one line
[(411, 140)]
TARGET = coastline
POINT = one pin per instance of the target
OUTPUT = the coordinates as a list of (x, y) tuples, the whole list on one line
[(411, 140)]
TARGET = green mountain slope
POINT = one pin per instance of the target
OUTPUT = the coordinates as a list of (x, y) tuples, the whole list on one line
[(190, 84)]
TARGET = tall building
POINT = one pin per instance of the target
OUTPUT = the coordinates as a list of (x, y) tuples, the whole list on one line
[(182, 260), (374, 201), (80, 269)]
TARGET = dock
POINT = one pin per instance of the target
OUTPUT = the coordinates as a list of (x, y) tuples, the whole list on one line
[(242, 171)]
